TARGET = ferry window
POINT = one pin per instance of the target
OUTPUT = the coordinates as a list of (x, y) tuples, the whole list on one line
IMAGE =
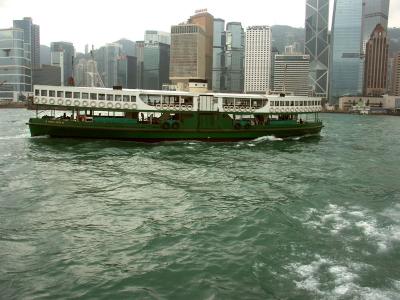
[(286, 103), (37, 93), (77, 95), (102, 96), (43, 93), (126, 98), (52, 93), (85, 96), (68, 94), (291, 103), (117, 97), (133, 98), (93, 96), (110, 97), (60, 94), (282, 103)]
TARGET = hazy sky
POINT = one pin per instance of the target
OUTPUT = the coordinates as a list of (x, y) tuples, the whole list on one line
[(96, 22)]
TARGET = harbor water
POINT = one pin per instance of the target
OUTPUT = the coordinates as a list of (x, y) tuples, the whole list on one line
[(304, 218)]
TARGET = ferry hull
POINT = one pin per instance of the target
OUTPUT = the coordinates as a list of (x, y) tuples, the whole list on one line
[(73, 129)]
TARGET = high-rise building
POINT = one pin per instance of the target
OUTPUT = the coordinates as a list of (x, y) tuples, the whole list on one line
[(234, 58), (346, 65), (187, 57), (257, 59), (374, 12), (62, 55), (155, 64), (376, 62), (140, 64), (126, 71), (112, 53), (206, 21), (151, 36), (317, 45), (274, 52), (15, 65), (219, 40), (291, 74), (31, 37), (396, 76)]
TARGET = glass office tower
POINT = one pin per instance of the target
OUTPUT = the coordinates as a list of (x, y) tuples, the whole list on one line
[(346, 65), (234, 58), (218, 76), (15, 65), (155, 65), (317, 46), (374, 12)]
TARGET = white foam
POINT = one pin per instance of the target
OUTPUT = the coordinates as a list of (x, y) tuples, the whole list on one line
[(345, 279), (268, 138), (19, 136)]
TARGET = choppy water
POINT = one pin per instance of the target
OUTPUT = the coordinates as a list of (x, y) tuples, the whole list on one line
[(310, 218)]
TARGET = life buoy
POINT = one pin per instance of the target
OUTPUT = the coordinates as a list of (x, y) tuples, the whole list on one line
[(43, 101), (118, 105), (68, 102), (237, 126), (175, 125), (77, 103), (36, 100), (158, 106), (85, 103), (60, 102), (189, 107), (183, 107), (126, 105), (165, 125), (102, 104), (110, 105), (242, 108), (93, 104), (52, 101)]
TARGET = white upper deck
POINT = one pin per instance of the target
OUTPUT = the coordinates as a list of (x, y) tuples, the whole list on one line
[(149, 100)]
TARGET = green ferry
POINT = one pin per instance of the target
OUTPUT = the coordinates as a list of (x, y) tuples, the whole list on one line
[(152, 116)]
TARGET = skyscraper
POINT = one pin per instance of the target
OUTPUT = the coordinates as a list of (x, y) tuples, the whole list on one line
[(374, 12), (31, 37), (291, 74), (15, 65), (155, 64), (376, 63), (257, 59), (187, 57), (396, 76), (317, 46), (346, 65), (62, 55), (218, 76), (234, 58), (206, 21)]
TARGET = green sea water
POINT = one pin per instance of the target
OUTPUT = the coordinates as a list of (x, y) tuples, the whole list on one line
[(309, 218)]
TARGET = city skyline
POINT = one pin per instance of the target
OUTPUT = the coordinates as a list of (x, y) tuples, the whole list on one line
[(100, 26)]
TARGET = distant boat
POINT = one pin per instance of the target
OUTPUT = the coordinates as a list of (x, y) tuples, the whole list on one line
[(151, 116)]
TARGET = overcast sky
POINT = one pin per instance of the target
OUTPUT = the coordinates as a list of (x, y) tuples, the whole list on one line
[(97, 22)]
